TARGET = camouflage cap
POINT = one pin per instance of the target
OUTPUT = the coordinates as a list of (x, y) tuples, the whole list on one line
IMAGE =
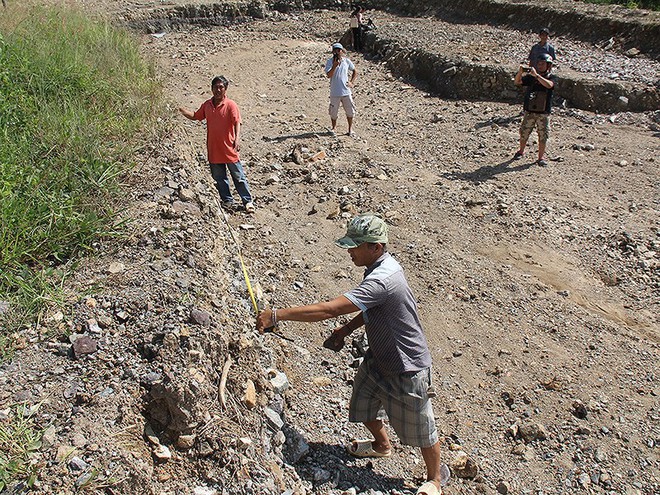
[(364, 228)]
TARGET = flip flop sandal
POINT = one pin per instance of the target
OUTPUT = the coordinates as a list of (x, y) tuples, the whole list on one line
[(429, 488), (363, 448)]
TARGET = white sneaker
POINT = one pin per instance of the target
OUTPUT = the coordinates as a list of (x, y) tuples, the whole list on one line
[(249, 207)]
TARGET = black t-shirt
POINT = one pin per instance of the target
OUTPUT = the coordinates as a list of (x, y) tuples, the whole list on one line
[(538, 98)]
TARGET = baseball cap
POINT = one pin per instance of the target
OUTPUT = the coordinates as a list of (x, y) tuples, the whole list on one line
[(338, 45), (545, 31), (546, 57), (364, 228)]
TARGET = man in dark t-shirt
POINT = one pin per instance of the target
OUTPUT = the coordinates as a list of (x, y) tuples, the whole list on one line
[(541, 48), (539, 83)]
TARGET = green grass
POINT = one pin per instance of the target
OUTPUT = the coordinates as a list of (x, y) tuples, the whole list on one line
[(20, 439), (75, 99), (631, 4)]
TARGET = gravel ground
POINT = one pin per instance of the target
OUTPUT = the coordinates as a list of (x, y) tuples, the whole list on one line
[(537, 287)]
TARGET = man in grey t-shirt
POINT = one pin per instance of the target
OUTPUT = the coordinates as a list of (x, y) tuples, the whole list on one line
[(395, 376), (337, 69)]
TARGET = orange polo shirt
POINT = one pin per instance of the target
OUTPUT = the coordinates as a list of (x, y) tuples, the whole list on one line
[(220, 135)]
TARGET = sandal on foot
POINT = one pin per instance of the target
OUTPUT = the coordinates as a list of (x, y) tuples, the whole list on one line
[(363, 448), (429, 488), (518, 155)]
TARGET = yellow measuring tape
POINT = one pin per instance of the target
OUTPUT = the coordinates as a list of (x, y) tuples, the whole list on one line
[(240, 258)]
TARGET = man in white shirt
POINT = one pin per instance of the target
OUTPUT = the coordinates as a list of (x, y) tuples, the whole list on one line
[(342, 74)]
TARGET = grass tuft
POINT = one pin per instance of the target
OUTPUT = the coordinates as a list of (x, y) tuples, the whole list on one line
[(20, 440)]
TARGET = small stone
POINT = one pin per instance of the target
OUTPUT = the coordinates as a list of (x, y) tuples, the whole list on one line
[(319, 156), (502, 487), (278, 381), (344, 190), (584, 479), (622, 163), (199, 317), (274, 419), (579, 410), (533, 431), (250, 396), (186, 195), (273, 179), (463, 466), (162, 453), (77, 464), (321, 381), (84, 345), (185, 442), (93, 326), (116, 267)]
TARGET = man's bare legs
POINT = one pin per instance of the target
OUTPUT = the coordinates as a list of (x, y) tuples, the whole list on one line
[(541, 150), (350, 125), (432, 459), (381, 441)]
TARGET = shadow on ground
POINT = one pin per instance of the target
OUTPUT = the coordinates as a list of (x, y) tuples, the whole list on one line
[(487, 172), (330, 467)]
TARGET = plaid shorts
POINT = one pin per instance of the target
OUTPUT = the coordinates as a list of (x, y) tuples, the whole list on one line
[(404, 398), (539, 120)]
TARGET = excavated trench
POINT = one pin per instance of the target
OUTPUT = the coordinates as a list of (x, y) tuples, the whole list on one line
[(450, 76)]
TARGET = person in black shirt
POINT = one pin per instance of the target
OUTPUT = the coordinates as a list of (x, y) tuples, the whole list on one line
[(539, 83)]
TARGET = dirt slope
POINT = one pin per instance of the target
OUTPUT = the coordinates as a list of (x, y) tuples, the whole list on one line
[(537, 287)]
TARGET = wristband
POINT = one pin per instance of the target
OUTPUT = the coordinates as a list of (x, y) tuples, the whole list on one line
[(273, 317)]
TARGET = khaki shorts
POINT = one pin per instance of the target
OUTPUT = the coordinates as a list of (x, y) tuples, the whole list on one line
[(404, 398), (346, 102), (539, 120)]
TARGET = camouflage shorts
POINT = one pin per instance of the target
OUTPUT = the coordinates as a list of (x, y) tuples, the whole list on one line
[(539, 120)]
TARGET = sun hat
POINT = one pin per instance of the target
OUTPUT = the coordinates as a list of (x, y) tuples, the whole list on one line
[(338, 45), (364, 228)]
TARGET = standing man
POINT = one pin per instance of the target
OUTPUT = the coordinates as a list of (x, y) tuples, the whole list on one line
[(337, 69), (541, 48), (539, 84), (223, 142), (395, 376)]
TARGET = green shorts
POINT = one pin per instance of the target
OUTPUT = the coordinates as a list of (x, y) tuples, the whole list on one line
[(404, 398)]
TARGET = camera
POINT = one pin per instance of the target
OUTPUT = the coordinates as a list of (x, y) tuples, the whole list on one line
[(525, 68)]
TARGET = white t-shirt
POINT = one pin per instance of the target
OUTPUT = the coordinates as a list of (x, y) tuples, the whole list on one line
[(339, 80)]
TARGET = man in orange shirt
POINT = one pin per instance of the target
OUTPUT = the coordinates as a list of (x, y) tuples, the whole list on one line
[(223, 130)]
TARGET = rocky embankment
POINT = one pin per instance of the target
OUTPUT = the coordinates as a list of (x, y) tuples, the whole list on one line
[(537, 287)]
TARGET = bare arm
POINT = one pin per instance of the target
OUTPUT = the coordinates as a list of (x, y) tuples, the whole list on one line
[(353, 77), (518, 79), (189, 114), (331, 72), (543, 81), (237, 132), (312, 312)]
